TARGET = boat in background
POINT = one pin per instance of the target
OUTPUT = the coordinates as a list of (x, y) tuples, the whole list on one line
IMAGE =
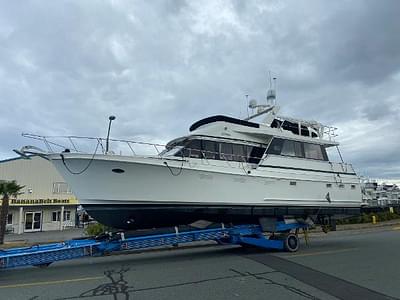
[(225, 170)]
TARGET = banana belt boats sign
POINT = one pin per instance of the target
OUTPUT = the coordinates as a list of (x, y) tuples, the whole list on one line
[(30, 202)]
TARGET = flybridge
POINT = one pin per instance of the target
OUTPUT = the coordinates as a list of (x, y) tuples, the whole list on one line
[(300, 127)]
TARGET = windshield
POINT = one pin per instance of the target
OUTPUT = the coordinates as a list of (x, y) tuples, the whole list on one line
[(172, 151)]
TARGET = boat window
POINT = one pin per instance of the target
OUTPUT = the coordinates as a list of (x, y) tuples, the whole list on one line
[(298, 149), (226, 151), (218, 151), (255, 154), (175, 151), (239, 152), (292, 148), (192, 149), (209, 149), (275, 147), (313, 151), (288, 148), (325, 155)]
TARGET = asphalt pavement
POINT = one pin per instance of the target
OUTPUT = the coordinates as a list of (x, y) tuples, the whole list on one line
[(354, 264), (30, 238)]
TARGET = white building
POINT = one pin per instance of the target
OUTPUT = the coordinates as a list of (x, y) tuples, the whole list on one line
[(45, 203)]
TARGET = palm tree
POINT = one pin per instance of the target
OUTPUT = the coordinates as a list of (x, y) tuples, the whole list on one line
[(7, 189)]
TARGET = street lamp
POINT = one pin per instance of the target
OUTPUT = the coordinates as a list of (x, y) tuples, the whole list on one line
[(111, 118)]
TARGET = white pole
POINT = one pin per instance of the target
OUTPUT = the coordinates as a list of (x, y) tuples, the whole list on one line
[(21, 220), (62, 218)]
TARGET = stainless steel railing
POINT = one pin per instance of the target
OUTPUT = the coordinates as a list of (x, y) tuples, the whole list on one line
[(77, 144)]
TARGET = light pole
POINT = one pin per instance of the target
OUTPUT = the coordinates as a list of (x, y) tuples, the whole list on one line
[(111, 118)]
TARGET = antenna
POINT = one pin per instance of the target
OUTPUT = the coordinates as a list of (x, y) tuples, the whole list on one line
[(270, 81), (247, 99), (271, 94)]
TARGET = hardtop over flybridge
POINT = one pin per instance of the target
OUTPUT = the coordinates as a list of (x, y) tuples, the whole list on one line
[(225, 170)]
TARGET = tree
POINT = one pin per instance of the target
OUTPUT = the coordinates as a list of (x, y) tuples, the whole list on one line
[(7, 189)]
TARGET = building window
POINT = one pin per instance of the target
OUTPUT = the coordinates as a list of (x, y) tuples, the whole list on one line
[(61, 188), (56, 216), (67, 215), (9, 219)]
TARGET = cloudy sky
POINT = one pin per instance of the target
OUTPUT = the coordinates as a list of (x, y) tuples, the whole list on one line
[(65, 66)]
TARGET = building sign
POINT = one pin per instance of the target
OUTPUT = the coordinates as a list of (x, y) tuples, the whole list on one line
[(28, 202)]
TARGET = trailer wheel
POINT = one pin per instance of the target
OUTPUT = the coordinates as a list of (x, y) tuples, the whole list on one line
[(291, 243), (43, 266)]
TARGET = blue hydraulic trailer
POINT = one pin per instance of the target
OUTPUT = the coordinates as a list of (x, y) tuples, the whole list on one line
[(280, 235)]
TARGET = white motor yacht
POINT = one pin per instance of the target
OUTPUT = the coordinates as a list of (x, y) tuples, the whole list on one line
[(225, 170)]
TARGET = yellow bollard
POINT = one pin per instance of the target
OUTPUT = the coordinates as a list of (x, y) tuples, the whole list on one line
[(373, 219), (391, 210)]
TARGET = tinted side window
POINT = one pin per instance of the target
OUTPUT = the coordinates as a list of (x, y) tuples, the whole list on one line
[(209, 149), (226, 151), (324, 154), (275, 147), (239, 152), (298, 149), (313, 151), (288, 148), (193, 149), (256, 154)]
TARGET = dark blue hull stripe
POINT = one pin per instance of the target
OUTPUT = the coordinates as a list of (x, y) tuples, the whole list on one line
[(309, 170)]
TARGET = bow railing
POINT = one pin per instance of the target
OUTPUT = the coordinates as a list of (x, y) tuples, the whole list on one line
[(85, 144)]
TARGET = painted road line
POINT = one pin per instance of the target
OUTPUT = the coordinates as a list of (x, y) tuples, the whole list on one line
[(49, 282), (324, 282), (318, 253)]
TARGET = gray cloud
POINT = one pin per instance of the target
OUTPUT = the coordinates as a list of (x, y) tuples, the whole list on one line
[(161, 65)]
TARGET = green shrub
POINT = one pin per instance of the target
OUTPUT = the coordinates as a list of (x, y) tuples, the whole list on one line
[(96, 229), (367, 218)]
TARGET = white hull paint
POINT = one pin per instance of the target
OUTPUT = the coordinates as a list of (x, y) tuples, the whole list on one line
[(277, 181)]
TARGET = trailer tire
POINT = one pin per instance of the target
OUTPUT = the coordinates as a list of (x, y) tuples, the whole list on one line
[(43, 266), (291, 243)]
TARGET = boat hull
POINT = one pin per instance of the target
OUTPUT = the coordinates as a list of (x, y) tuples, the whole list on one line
[(157, 216), (143, 192)]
